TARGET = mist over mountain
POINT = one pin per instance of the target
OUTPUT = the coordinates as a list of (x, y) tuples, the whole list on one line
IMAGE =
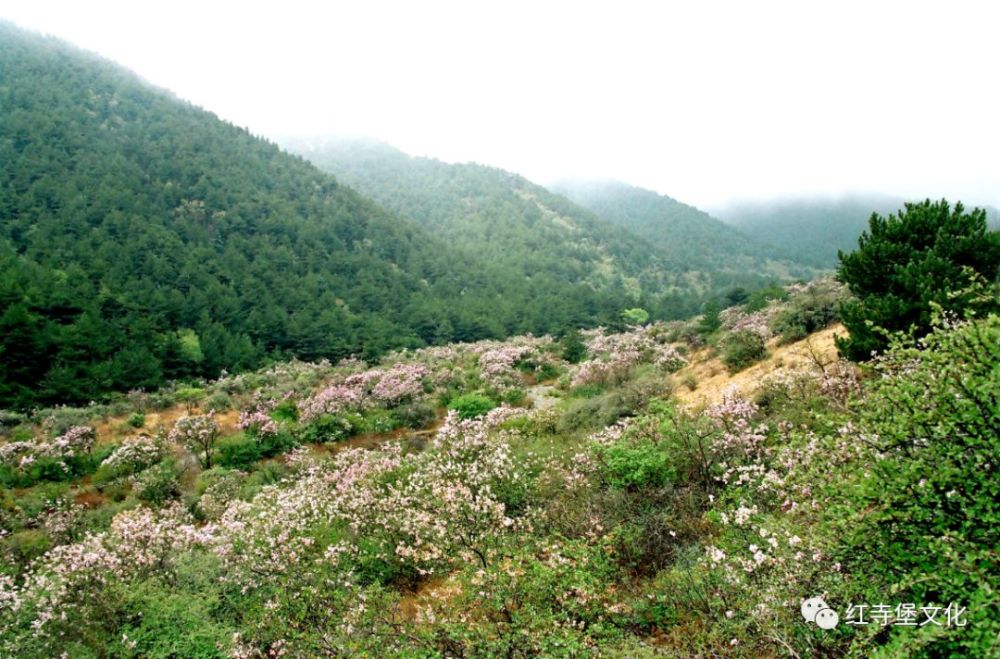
[(811, 229), (685, 235), (502, 218)]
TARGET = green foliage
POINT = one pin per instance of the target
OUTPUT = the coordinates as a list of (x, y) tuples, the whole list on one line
[(710, 320), (763, 296), (635, 316), (241, 451), (741, 349), (636, 464), (932, 505), (379, 421), (157, 484), (572, 347), (472, 405), (136, 420), (330, 428), (415, 415), (285, 411), (809, 311), (928, 253)]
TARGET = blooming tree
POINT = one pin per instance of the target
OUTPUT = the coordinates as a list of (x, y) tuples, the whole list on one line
[(198, 434)]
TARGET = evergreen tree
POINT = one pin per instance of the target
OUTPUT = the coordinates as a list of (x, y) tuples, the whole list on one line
[(928, 253)]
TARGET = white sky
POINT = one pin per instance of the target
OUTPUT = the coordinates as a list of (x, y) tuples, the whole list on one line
[(708, 102)]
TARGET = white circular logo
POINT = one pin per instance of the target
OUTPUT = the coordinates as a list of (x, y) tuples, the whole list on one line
[(827, 619), (811, 607)]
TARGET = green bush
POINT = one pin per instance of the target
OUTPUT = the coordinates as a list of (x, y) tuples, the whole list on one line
[(932, 504), (379, 421), (472, 405), (136, 420), (416, 415), (809, 311), (741, 349), (27, 545), (593, 413), (635, 464), (330, 428), (158, 483), (241, 451), (572, 347), (285, 411), (760, 298)]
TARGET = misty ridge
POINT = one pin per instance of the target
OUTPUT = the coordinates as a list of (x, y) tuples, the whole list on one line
[(265, 395)]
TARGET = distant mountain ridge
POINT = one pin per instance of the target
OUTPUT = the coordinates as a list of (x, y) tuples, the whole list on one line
[(504, 218), (684, 234), (813, 229)]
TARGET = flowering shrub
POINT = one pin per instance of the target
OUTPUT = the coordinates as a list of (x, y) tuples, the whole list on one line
[(198, 434), (69, 454), (257, 423), (612, 356), (332, 400), (401, 383), (133, 455)]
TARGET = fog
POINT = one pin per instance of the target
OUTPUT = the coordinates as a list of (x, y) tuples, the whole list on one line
[(711, 104)]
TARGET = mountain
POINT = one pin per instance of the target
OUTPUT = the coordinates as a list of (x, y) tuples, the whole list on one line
[(688, 237), (503, 219), (811, 229), (142, 240)]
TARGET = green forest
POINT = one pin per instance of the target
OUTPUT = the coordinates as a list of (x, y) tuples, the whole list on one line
[(145, 240)]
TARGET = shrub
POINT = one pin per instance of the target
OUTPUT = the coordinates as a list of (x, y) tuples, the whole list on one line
[(931, 505), (741, 349), (330, 428), (242, 450), (810, 310), (572, 347), (219, 401), (379, 421), (189, 395), (760, 298), (238, 452), (635, 464), (472, 405), (132, 455), (158, 484), (285, 411), (416, 415), (136, 420), (198, 434)]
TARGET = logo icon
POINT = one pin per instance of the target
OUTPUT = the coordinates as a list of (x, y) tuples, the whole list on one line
[(816, 610)]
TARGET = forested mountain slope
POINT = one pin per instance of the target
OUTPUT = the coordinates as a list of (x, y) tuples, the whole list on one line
[(143, 239), (504, 219), (811, 229), (688, 237)]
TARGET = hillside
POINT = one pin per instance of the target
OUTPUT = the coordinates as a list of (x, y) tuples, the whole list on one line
[(501, 218), (629, 495), (688, 237), (143, 239), (812, 229)]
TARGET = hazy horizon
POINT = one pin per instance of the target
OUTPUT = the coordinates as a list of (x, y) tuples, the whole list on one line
[(851, 101)]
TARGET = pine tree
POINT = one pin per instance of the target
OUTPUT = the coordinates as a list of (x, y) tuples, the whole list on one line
[(927, 253)]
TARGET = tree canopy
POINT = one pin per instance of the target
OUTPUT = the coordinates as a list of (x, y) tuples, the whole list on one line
[(928, 255)]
